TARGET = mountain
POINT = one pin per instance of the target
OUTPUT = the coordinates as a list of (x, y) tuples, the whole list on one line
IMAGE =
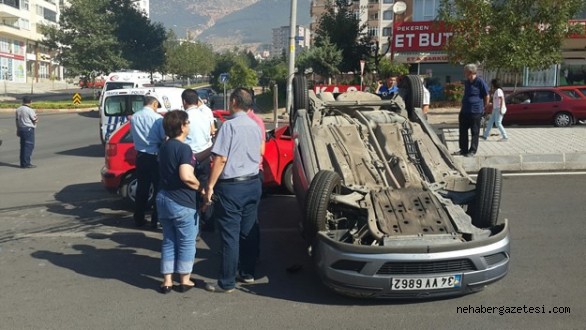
[(227, 23)]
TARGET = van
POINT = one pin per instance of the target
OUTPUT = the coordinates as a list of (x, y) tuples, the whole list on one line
[(119, 104), (126, 79)]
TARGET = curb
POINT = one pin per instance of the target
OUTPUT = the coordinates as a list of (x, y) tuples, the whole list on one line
[(575, 161), (53, 110)]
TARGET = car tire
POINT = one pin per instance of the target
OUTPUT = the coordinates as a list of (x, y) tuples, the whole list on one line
[(128, 191), (320, 190), (414, 95), (287, 179), (488, 198), (563, 119), (300, 95)]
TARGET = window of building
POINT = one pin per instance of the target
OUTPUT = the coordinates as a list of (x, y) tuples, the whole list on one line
[(25, 5), (4, 45), (373, 31), (11, 3), (25, 24), (425, 10), (387, 31), (388, 15), (18, 47), (388, 1)]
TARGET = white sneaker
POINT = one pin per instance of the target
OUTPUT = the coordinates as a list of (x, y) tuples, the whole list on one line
[(216, 288)]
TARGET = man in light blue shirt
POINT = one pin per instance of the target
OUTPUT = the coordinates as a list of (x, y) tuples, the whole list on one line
[(201, 129), (146, 127), (234, 177)]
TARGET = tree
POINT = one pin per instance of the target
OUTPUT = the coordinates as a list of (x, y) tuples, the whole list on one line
[(190, 58), (324, 60), (104, 36), (389, 68), (86, 41), (224, 63), (242, 76), (342, 28), (142, 42), (509, 34)]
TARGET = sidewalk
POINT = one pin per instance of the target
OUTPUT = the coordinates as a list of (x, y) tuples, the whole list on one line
[(528, 149)]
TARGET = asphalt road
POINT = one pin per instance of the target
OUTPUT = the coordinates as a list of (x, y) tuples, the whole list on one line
[(70, 258)]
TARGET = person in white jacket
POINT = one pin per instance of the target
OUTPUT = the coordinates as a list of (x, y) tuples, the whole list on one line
[(499, 108)]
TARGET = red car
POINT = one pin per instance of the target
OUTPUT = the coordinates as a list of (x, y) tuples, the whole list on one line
[(118, 172), (560, 106)]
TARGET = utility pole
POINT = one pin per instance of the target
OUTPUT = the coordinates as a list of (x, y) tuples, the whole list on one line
[(291, 70)]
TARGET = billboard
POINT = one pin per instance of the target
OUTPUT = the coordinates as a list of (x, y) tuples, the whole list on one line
[(420, 36)]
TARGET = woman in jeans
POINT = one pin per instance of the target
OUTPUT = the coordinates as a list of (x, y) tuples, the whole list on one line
[(176, 203), (499, 108)]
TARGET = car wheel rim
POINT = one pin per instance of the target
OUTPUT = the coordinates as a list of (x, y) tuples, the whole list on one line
[(132, 190), (563, 120)]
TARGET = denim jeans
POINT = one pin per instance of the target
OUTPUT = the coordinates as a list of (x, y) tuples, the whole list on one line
[(180, 227), (235, 212), (27, 144), (496, 118)]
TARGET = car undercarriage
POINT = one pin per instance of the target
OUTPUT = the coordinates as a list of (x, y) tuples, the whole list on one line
[(372, 173)]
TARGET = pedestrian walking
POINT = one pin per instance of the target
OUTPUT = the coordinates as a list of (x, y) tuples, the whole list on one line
[(176, 203), (148, 135), (474, 101), (26, 123), (235, 186), (201, 130), (499, 108)]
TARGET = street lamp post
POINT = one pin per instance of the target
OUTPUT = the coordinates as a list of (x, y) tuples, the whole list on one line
[(291, 70)]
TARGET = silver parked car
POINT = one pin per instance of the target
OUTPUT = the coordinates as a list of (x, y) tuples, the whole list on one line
[(388, 213)]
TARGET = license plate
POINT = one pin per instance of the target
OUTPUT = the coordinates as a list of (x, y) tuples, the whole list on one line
[(426, 283)]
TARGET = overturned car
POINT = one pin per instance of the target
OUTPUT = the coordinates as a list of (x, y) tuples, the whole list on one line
[(388, 213)]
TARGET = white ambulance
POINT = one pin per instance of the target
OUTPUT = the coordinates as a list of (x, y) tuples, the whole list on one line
[(126, 79), (119, 104)]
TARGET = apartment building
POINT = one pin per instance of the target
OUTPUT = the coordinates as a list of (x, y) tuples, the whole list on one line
[(377, 15), (22, 57), (281, 37)]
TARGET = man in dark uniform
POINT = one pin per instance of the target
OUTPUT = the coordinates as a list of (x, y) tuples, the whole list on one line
[(234, 184), (146, 127)]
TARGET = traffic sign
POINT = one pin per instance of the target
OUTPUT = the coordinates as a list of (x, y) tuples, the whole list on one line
[(76, 98), (224, 77)]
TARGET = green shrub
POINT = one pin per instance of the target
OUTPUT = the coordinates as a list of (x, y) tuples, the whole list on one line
[(454, 91)]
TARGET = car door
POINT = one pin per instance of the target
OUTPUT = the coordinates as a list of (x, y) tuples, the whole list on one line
[(545, 104), (518, 104)]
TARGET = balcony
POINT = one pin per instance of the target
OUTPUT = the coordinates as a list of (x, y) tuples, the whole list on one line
[(10, 8)]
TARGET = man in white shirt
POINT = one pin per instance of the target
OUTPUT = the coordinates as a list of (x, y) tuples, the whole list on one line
[(201, 130)]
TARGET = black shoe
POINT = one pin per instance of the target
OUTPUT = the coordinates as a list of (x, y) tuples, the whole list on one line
[(460, 153), (185, 287), (29, 166), (164, 289)]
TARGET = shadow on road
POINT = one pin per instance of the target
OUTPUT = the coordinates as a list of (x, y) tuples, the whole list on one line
[(120, 264), (9, 165), (94, 150), (90, 114)]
